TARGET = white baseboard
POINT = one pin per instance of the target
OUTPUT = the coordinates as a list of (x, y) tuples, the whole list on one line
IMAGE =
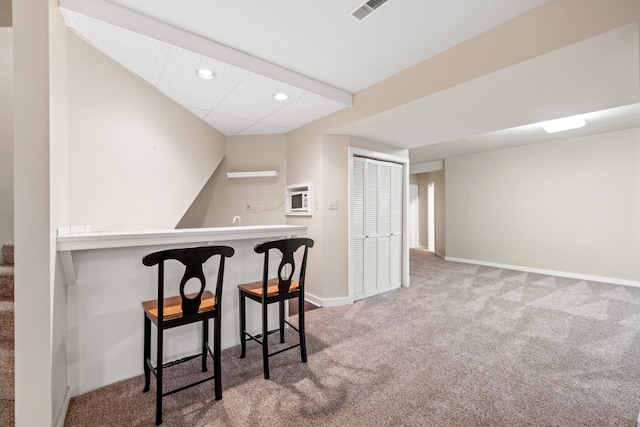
[(578, 276), (327, 302), (64, 407)]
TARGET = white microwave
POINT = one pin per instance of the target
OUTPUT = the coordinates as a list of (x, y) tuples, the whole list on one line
[(299, 201)]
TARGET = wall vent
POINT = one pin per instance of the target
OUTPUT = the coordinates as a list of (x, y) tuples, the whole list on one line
[(365, 9)]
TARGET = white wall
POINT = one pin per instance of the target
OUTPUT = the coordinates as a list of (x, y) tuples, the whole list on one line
[(222, 198), (438, 178), (568, 206), (137, 160), (6, 135)]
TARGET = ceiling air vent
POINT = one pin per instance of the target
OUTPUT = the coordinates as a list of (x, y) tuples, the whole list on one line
[(365, 9)]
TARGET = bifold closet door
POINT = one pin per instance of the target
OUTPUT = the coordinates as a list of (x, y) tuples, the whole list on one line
[(376, 226)]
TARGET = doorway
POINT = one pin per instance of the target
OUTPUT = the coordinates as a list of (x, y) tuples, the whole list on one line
[(431, 217), (414, 215)]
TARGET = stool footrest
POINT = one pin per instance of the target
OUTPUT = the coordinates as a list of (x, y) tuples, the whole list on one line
[(154, 370), (284, 349), (188, 386)]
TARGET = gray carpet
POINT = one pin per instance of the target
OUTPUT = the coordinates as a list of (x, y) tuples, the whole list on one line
[(465, 345)]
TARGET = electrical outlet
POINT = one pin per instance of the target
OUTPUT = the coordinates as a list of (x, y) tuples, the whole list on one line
[(333, 205)]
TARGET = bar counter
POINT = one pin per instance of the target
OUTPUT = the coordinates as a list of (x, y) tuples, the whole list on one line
[(106, 283)]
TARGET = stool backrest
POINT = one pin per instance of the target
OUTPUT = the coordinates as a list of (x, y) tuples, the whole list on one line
[(193, 259), (287, 267)]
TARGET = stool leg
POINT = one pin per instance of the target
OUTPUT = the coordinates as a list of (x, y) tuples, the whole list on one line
[(217, 368), (303, 343), (265, 339), (147, 352), (159, 377), (205, 342), (243, 321), (281, 312)]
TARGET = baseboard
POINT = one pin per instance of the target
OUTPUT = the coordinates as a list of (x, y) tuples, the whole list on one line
[(327, 302), (624, 282), (64, 407)]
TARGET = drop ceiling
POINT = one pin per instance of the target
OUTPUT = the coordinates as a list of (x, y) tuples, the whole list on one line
[(321, 56)]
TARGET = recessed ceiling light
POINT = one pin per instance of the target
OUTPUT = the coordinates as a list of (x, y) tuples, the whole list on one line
[(559, 125), (281, 96), (204, 73)]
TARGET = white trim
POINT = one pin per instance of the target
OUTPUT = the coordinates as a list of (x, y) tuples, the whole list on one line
[(624, 282), (432, 166), (313, 299), (327, 302), (64, 407), (253, 174)]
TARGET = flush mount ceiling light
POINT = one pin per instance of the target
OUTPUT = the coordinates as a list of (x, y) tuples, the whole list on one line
[(204, 73), (559, 125), (281, 96)]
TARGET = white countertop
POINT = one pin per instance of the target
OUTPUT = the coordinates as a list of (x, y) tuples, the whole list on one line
[(121, 239), (68, 243)]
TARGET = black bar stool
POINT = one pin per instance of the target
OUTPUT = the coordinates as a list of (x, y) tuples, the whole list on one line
[(278, 289), (167, 313)]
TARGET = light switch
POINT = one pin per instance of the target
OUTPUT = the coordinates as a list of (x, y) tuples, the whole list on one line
[(333, 204)]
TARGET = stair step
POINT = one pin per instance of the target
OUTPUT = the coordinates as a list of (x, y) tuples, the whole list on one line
[(6, 282), (6, 324), (7, 254)]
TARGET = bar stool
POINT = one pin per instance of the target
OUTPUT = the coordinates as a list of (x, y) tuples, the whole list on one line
[(167, 313), (278, 289)]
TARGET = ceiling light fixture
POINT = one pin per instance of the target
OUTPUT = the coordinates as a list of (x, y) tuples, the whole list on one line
[(281, 96), (559, 125), (204, 73)]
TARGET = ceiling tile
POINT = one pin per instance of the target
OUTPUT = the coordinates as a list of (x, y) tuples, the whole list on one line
[(304, 109), (141, 55), (228, 125), (263, 129), (253, 98), (180, 82)]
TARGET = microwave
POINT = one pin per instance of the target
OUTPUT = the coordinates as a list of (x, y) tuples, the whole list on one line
[(299, 201)]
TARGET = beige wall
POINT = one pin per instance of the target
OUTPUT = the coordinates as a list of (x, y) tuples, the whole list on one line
[(222, 198), (423, 181), (6, 135), (335, 231), (568, 206), (137, 160)]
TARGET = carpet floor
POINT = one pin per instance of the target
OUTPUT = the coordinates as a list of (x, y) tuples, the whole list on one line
[(464, 345)]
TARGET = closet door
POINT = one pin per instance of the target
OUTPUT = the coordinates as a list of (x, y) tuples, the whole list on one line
[(384, 226), (371, 228), (376, 227), (395, 252), (357, 228), (364, 228)]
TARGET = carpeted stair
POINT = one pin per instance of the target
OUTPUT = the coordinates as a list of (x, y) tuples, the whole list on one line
[(7, 414)]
